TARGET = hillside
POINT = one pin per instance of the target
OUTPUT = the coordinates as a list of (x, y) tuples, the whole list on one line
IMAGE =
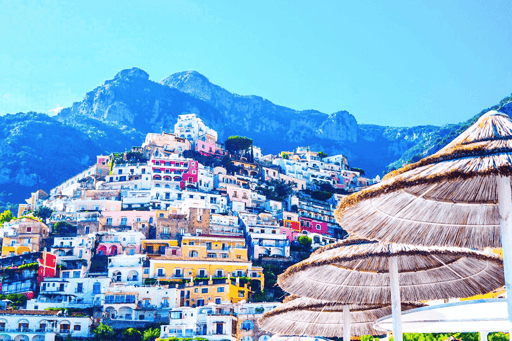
[(38, 151)]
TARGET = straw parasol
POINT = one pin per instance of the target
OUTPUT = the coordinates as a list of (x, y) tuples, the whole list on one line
[(448, 199), (296, 338), (308, 317), (358, 271), (460, 196)]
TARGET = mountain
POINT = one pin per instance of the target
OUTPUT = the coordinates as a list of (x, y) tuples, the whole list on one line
[(131, 99), (38, 151)]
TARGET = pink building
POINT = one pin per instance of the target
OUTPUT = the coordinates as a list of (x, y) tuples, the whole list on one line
[(184, 171), (239, 194), (109, 249), (206, 145), (313, 226), (127, 218)]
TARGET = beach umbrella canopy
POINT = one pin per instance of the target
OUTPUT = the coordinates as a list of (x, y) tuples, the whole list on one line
[(449, 198), (308, 317), (296, 338), (359, 271)]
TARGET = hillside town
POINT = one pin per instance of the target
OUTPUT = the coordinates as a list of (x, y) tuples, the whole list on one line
[(182, 236)]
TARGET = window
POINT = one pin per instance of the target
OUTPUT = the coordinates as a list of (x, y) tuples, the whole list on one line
[(176, 315), (65, 274), (220, 289), (193, 253), (29, 229), (123, 220), (109, 221), (138, 219), (217, 300), (160, 272), (204, 290), (80, 288), (96, 289), (76, 274)]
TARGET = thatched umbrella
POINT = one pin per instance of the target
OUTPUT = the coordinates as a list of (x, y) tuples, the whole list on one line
[(308, 317), (295, 338), (358, 271), (459, 196)]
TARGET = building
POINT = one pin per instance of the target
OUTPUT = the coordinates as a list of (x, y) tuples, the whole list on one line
[(215, 323), (162, 144), (192, 128), (42, 325), (70, 293), (22, 274), (126, 269), (147, 304), (24, 236)]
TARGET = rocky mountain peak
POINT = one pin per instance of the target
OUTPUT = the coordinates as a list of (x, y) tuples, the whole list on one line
[(132, 74), (191, 82)]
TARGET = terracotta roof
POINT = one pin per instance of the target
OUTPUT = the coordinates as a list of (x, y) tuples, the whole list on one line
[(28, 312), (220, 236)]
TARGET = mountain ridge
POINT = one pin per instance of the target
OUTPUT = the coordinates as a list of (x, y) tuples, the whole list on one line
[(116, 115)]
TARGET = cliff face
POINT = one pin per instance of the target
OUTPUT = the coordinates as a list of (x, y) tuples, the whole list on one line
[(132, 101)]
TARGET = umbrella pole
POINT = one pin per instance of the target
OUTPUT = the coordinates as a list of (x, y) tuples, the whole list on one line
[(396, 306), (505, 208), (346, 323)]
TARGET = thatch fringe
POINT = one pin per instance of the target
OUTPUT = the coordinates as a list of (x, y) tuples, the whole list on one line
[(404, 217), (483, 150), (358, 274), (325, 319)]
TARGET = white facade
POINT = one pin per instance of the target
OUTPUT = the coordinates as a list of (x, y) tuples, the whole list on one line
[(191, 127), (69, 293), (215, 323), (126, 269), (139, 303), (29, 325)]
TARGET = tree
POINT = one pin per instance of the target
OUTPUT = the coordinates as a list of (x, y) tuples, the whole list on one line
[(238, 143), (135, 157), (322, 155), (64, 229), (151, 334), (43, 212), (6, 217), (132, 334), (306, 242), (18, 300), (499, 336), (104, 333)]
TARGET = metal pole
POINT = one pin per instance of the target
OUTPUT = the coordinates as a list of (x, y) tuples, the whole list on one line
[(346, 323), (396, 307), (483, 336), (505, 208)]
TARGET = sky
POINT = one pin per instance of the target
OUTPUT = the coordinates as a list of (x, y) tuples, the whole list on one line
[(397, 63)]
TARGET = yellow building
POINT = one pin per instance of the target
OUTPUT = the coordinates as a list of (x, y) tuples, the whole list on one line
[(200, 293), (23, 236), (214, 247), (158, 247)]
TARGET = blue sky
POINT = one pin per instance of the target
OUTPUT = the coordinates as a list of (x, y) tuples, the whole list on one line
[(399, 63)]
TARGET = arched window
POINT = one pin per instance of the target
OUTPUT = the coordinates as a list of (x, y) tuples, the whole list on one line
[(264, 338), (193, 253)]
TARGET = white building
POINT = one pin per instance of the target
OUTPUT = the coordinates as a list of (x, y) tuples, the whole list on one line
[(69, 293), (215, 323), (139, 303), (191, 127), (41, 325), (126, 269)]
